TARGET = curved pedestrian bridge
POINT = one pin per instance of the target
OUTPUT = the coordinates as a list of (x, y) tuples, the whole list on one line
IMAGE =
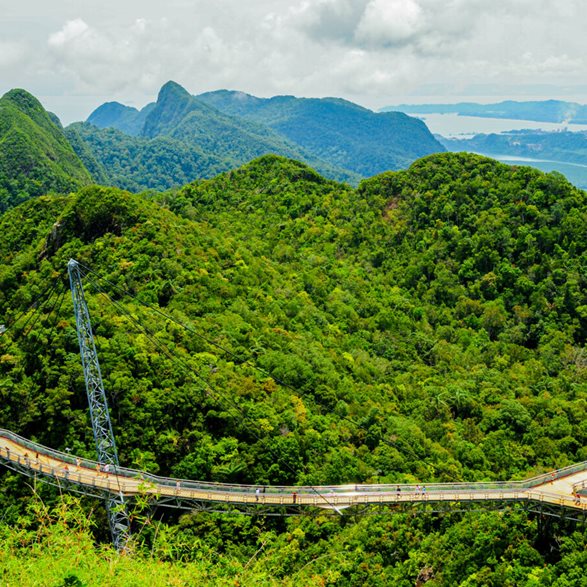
[(566, 487)]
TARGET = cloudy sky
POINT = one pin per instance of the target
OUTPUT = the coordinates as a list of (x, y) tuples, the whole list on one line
[(76, 54)]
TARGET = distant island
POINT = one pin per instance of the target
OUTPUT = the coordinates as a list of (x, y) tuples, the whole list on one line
[(556, 111), (565, 152)]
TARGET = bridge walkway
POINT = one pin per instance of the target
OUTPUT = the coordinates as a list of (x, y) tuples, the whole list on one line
[(565, 487)]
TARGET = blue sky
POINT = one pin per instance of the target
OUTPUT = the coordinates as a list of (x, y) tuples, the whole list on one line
[(76, 54)]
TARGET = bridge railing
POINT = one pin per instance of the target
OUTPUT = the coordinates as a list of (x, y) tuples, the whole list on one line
[(156, 481)]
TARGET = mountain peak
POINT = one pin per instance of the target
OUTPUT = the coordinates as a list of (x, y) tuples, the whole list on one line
[(26, 103), (173, 103), (172, 91), (116, 115)]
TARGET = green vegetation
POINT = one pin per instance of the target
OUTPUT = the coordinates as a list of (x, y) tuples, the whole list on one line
[(427, 326), (181, 138), (137, 163), (35, 157), (56, 547)]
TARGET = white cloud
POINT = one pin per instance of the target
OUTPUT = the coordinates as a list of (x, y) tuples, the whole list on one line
[(371, 51), (114, 60), (389, 22), (72, 31), (326, 20)]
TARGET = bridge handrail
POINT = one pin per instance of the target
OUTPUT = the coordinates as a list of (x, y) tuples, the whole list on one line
[(158, 481)]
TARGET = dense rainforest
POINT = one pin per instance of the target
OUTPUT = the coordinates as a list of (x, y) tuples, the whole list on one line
[(426, 326)]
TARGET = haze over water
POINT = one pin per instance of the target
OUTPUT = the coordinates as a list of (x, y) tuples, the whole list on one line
[(453, 125)]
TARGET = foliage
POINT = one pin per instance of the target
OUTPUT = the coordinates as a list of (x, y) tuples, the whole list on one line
[(54, 546), (427, 326), (137, 163)]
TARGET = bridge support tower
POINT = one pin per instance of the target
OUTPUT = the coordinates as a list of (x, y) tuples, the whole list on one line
[(99, 414)]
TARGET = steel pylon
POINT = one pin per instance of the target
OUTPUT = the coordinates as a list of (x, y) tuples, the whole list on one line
[(99, 414)]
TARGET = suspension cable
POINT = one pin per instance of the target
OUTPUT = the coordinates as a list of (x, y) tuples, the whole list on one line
[(34, 303)]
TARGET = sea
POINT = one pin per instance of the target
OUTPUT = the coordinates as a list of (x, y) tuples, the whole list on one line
[(455, 126)]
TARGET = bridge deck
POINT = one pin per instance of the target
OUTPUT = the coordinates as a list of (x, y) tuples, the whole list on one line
[(561, 488)]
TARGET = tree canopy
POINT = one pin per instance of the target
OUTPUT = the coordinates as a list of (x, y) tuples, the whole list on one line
[(427, 326)]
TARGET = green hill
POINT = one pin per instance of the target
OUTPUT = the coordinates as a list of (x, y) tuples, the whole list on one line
[(341, 140), (35, 156), (427, 326), (179, 115), (336, 130)]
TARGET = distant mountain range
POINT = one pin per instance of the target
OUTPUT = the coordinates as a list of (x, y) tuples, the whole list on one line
[(182, 138), (218, 131), (557, 111), (335, 130)]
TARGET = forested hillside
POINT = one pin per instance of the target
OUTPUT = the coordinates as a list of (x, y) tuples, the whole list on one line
[(336, 130), (137, 163), (427, 326), (180, 139), (35, 156)]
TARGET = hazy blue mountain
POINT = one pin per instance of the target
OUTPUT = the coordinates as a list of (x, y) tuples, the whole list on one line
[(125, 118), (540, 111), (343, 133), (566, 146), (180, 115), (340, 139)]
